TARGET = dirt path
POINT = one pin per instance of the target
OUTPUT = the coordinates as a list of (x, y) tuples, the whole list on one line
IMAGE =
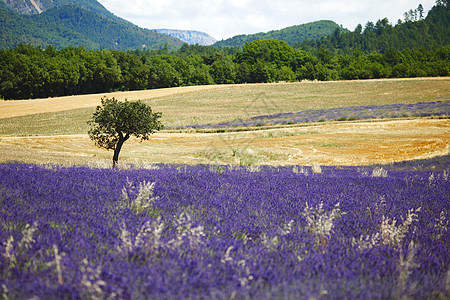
[(359, 143), (28, 107)]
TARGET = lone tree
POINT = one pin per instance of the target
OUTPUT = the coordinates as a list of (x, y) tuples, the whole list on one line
[(114, 122)]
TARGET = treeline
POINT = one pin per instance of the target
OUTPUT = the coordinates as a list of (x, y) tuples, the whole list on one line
[(34, 72)]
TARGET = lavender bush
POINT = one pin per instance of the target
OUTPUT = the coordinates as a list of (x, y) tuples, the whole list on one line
[(194, 232), (421, 109)]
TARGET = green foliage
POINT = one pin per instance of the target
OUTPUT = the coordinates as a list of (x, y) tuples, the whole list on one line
[(223, 71), (114, 122), (267, 61), (115, 119), (270, 51)]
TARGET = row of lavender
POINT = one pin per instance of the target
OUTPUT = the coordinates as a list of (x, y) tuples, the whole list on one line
[(421, 109), (193, 232)]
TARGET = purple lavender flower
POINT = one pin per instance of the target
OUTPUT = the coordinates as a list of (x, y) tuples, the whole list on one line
[(73, 232)]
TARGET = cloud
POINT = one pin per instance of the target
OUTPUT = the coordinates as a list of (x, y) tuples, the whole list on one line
[(224, 19)]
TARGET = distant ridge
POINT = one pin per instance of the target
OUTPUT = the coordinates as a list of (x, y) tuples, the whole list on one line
[(191, 37), (291, 35)]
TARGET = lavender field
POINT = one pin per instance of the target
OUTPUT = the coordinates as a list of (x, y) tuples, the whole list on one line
[(350, 113), (218, 232)]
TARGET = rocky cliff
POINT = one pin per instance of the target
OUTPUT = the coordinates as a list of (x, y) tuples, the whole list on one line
[(29, 7), (190, 36)]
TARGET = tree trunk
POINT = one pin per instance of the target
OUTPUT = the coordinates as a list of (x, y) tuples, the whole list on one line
[(122, 140)]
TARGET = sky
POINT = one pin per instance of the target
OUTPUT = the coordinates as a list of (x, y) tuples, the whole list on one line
[(224, 19)]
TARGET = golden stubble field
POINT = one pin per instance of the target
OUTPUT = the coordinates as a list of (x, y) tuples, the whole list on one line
[(54, 130)]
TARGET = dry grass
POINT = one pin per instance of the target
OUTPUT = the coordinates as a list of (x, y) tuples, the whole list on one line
[(36, 106), (238, 101)]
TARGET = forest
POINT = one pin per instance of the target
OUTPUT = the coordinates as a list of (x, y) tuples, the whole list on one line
[(28, 71)]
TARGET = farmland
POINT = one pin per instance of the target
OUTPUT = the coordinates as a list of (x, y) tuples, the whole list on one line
[(336, 206), (56, 133)]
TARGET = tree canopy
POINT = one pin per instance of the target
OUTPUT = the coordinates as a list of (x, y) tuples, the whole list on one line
[(114, 122)]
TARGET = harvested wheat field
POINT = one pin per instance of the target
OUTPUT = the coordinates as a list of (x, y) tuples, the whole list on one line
[(359, 143), (18, 108)]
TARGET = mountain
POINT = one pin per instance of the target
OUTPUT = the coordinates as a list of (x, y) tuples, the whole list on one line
[(292, 35), (31, 7), (92, 27), (190, 36)]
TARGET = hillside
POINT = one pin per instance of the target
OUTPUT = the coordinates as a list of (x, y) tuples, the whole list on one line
[(412, 33), (292, 35), (72, 25), (191, 37)]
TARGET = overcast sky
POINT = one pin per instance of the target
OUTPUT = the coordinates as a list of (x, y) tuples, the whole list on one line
[(224, 19)]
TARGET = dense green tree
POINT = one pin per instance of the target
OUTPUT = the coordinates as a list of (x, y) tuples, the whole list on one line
[(164, 72), (223, 71), (114, 122), (276, 52)]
